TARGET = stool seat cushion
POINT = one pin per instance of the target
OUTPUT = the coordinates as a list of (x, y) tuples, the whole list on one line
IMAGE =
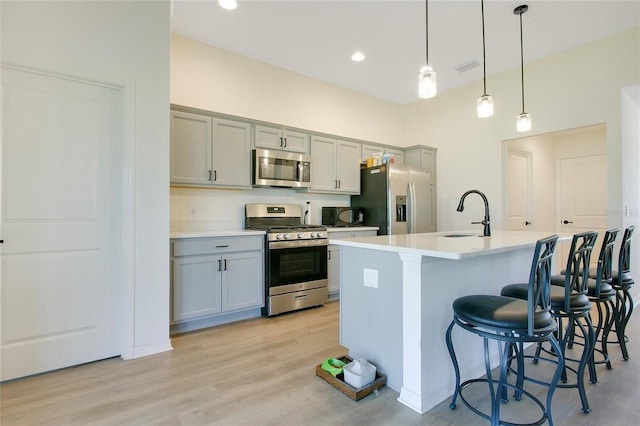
[(625, 281), (577, 302), (499, 312), (606, 290)]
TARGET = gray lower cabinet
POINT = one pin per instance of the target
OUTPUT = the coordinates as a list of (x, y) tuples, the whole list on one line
[(333, 260), (214, 278)]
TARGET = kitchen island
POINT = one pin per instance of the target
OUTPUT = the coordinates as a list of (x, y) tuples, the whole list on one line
[(396, 302)]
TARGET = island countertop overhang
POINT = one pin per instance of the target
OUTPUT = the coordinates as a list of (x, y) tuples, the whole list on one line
[(454, 245)]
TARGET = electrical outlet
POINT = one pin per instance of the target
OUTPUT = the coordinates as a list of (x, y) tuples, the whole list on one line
[(370, 278)]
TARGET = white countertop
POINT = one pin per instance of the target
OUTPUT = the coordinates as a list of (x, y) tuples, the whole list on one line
[(225, 233), (331, 229), (437, 245)]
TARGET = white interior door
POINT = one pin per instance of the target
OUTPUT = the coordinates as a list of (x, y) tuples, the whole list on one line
[(60, 220), (583, 198), (518, 190)]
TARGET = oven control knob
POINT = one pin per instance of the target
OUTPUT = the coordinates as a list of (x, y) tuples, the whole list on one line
[(278, 236), (286, 236), (314, 235), (300, 235)]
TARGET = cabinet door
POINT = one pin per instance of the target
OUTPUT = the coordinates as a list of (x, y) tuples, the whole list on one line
[(348, 167), (196, 287), (323, 167), (398, 155), (333, 268), (268, 137), (242, 281), (368, 151), (231, 153), (287, 140), (190, 148), (296, 142)]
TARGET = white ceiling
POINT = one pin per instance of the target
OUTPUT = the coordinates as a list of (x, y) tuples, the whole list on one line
[(317, 38)]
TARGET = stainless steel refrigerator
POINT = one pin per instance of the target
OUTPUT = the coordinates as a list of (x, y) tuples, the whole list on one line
[(397, 199)]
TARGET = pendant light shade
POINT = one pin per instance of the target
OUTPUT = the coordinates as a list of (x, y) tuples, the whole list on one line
[(523, 123), (427, 76), (427, 83), (485, 102), (485, 106)]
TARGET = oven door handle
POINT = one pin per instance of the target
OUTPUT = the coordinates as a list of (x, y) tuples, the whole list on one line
[(275, 245)]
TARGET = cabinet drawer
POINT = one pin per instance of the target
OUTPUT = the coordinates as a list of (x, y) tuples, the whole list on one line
[(195, 246)]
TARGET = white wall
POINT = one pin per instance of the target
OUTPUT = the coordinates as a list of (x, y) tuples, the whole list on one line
[(124, 44), (631, 173), (577, 88), (213, 79)]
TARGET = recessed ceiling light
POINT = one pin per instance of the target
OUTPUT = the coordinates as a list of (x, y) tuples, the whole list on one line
[(228, 4), (358, 57)]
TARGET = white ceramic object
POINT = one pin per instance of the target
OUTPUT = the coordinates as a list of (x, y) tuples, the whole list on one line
[(359, 373)]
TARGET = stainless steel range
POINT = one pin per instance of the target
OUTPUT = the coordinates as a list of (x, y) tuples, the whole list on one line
[(296, 257)]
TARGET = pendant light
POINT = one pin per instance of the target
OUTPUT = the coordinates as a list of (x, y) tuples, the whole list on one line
[(485, 102), (523, 123), (427, 76)]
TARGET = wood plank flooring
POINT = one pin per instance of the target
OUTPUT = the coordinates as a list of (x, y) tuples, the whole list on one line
[(262, 372)]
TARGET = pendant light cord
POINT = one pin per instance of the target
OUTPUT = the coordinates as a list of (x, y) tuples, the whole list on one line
[(426, 19), (521, 62), (484, 60)]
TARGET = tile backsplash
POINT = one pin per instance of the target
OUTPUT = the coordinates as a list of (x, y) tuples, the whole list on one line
[(194, 209)]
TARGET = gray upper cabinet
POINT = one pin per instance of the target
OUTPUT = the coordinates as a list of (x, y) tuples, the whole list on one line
[(369, 150), (282, 139), (208, 151), (335, 167)]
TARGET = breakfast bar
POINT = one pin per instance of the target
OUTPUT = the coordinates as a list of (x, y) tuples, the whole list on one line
[(396, 295)]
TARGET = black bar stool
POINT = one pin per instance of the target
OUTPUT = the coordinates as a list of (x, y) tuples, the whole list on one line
[(603, 295), (622, 282), (510, 321), (570, 303)]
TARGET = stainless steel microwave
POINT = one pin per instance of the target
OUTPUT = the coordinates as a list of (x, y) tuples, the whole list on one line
[(342, 216), (278, 168)]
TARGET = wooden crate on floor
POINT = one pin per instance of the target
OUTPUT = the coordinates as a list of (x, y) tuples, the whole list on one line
[(339, 383)]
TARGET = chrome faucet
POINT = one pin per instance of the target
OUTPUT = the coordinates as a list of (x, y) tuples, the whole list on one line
[(485, 222)]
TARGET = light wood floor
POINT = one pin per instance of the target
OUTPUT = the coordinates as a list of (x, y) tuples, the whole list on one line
[(262, 372)]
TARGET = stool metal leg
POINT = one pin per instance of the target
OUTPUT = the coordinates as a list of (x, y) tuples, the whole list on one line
[(625, 304), (456, 368)]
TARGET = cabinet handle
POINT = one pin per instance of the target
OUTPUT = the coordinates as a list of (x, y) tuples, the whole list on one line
[(527, 223), (281, 142), (225, 264), (302, 296), (329, 255), (339, 184), (223, 246), (219, 265), (566, 222), (285, 142), (210, 175), (215, 175)]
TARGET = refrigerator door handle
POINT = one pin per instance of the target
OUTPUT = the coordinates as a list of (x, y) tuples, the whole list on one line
[(411, 208)]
